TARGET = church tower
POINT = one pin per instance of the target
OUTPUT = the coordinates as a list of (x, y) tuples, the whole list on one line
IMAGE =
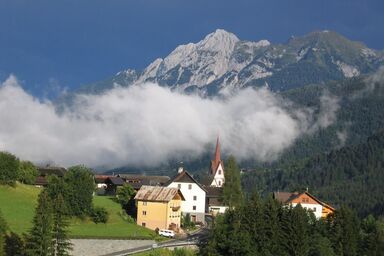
[(217, 168)]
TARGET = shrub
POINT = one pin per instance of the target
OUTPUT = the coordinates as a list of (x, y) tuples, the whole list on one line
[(126, 217), (9, 166), (99, 215)]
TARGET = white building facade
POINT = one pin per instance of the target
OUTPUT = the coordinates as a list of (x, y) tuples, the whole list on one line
[(194, 194)]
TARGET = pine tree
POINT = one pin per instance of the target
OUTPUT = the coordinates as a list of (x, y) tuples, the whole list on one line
[(62, 245), (296, 229), (3, 232), (232, 193), (40, 237)]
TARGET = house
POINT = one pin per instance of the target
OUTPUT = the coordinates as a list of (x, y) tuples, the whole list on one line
[(112, 184), (214, 204), (194, 194), (100, 181), (217, 168), (307, 201), (45, 171), (136, 180), (159, 207)]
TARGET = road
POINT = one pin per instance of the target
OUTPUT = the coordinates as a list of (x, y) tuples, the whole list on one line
[(193, 239)]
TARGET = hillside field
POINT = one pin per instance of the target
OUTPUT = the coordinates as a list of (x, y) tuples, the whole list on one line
[(18, 205)]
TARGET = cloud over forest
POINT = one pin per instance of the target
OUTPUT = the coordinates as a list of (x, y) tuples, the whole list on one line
[(147, 125)]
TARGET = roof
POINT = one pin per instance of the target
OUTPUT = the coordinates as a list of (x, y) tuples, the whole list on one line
[(51, 170), (101, 178), (214, 191), (115, 181), (184, 177), (157, 194), (137, 180), (287, 197), (284, 197)]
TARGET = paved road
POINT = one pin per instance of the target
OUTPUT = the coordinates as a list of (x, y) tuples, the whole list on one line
[(193, 239)]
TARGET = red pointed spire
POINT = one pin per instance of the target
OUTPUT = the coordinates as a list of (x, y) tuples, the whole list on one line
[(217, 152), (216, 161)]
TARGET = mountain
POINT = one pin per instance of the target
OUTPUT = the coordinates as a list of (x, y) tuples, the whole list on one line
[(222, 62)]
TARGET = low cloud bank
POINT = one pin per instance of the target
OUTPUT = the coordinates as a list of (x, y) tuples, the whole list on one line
[(147, 125)]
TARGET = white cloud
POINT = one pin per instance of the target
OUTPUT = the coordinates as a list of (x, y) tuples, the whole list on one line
[(147, 125)]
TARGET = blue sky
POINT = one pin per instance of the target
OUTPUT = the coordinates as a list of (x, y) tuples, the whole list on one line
[(50, 43)]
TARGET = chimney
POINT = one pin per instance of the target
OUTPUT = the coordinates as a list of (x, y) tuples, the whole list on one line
[(181, 168)]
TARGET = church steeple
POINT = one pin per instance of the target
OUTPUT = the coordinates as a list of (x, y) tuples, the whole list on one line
[(217, 151), (217, 167)]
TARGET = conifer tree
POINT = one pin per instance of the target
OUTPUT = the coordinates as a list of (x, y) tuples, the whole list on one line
[(272, 227), (62, 245), (41, 235), (232, 193), (296, 227), (3, 232)]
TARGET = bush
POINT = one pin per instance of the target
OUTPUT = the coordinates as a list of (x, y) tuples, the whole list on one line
[(27, 172), (126, 217), (9, 166), (99, 215)]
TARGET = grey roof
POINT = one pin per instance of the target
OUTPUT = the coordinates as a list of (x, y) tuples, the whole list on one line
[(184, 177), (156, 193), (137, 180), (115, 181), (214, 192)]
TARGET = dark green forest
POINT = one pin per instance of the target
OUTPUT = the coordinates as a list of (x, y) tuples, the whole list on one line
[(265, 227), (351, 175)]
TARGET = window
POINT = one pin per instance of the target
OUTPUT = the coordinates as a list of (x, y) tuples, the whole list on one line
[(219, 172), (194, 207), (190, 186), (314, 209), (143, 224), (219, 182), (144, 213), (194, 198), (179, 186), (144, 203)]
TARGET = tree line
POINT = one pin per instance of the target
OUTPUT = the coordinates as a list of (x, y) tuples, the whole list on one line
[(256, 226), (265, 227), (12, 170)]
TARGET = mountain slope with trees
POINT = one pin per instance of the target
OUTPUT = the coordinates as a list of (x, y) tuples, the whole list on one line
[(352, 175)]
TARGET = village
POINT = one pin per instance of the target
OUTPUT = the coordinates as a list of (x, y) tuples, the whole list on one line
[(161, 202)]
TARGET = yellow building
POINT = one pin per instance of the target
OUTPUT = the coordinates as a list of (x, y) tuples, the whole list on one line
[(159, 207)]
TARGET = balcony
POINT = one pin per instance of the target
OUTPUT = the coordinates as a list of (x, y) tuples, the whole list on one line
[(175, 208)]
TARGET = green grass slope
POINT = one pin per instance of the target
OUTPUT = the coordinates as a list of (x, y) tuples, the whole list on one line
[(18, 206)]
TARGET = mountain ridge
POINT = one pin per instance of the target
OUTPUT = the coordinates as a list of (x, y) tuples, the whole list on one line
[(221, 62)]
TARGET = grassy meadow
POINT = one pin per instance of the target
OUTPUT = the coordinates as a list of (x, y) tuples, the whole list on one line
[(18, 205)]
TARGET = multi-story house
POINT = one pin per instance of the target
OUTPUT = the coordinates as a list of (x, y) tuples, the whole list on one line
[(194, 194), (159, 207)]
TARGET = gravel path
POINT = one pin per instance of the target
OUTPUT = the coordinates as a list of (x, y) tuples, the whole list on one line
[(96, 247)]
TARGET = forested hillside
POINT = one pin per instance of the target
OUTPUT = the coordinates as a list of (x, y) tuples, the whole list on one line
[(351, 175), (360, 104)]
